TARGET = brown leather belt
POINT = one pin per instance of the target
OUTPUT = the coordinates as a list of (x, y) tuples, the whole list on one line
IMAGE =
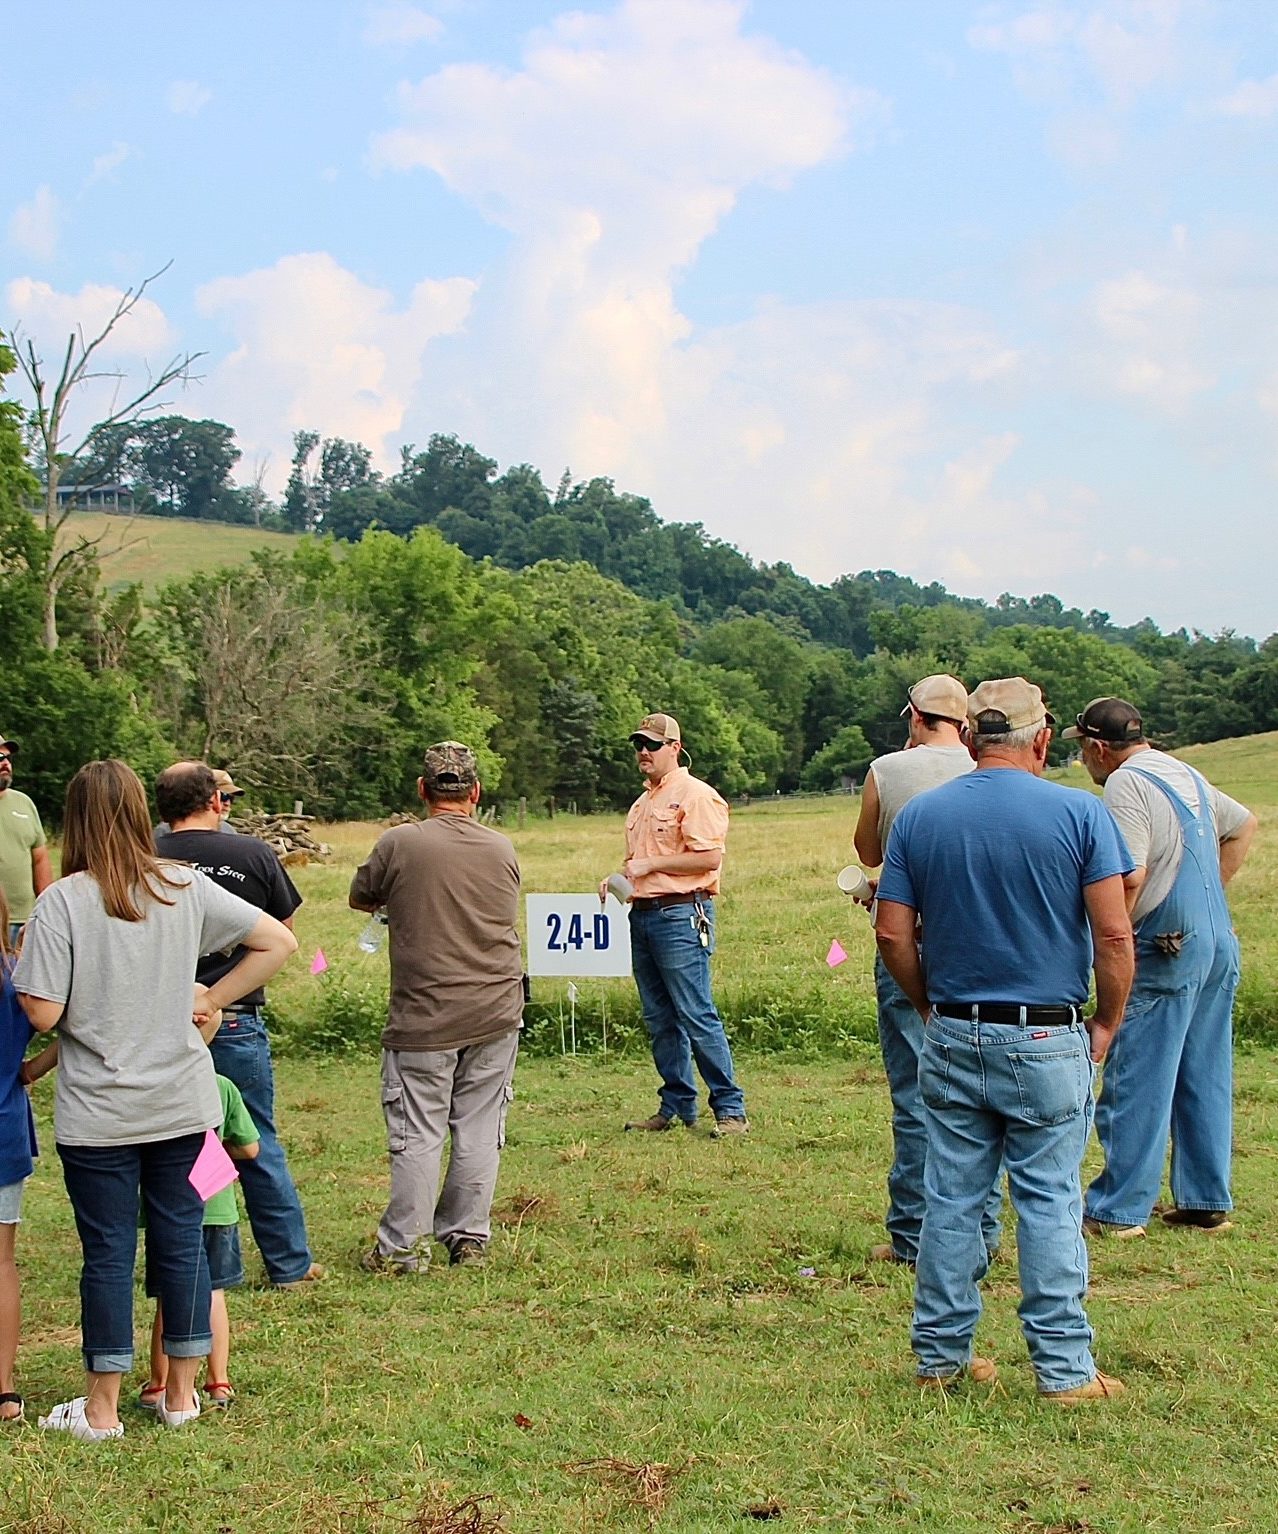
[(658, 902)]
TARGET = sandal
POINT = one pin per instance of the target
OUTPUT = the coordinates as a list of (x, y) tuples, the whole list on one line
[(220, 1393), (68, 1417), (12, 1398), (150, 1394)]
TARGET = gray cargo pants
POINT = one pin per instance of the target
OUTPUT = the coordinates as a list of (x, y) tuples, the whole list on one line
[(426, 1095)]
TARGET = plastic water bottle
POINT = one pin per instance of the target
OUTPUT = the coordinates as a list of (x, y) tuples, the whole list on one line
[(373, 936)]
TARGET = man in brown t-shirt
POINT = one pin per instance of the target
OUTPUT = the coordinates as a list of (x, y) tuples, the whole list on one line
[(449, 887)]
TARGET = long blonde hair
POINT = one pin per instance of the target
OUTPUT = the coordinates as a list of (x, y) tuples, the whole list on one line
[(107, 833)]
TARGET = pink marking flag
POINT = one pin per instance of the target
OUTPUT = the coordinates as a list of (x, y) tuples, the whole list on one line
[(213, 1169), (319, 963), (836, 955)]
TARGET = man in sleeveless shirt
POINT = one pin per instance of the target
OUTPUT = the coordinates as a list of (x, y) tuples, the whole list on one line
[(1169, 1071), (937, 710)]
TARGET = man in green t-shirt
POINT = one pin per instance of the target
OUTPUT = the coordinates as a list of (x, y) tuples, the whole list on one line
[(24, 859)]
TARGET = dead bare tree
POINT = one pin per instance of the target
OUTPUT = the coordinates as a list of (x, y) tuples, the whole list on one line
[(69, 553)]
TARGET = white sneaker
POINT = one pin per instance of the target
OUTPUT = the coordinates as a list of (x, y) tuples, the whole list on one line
[(68, 1417), (169, 1418)]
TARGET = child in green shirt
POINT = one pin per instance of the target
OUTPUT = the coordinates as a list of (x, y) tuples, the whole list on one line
[(226, 1266)]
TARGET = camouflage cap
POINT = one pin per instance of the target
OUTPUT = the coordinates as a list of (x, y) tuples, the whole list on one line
[(449, 764)]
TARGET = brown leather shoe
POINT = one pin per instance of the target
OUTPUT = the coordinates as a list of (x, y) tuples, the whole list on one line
[(982, 1371), (313, 1274), (1213, 1221), (1101, 1387), (886, 1252), (725, 1128), (657, 1124)]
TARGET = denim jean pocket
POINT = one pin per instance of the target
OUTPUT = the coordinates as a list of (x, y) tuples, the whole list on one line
[(934, 1074), (1053, 1084)]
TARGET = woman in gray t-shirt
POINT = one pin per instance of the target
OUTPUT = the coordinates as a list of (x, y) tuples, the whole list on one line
[(109, 958)]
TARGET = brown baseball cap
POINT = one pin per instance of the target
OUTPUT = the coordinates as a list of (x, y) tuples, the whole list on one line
[(9, 745), (1006, 704), (944, 696), (226, 784), (449, 764), (657, 727), (1113, 720)]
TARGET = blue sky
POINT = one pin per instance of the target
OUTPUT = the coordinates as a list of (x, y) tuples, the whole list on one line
[(981, 292)]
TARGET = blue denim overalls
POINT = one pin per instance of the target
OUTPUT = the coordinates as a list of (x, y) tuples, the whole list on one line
[(1170, 1067)]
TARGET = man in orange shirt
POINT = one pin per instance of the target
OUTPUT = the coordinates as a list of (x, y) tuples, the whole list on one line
[(674, 849)]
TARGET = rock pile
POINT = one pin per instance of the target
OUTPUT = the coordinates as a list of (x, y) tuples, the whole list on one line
[(287, 835)]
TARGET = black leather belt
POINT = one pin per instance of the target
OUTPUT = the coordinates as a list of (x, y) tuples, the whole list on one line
[(657, 902), (1009, 1012)]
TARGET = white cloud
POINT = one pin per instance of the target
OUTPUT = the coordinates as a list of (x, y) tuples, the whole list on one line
[(1123, 46), (105, 165), (50, 317), (1149, 334), (401, 23), (1251, 98), (315, 347), (612, 154), (187, 98), (34, 226)]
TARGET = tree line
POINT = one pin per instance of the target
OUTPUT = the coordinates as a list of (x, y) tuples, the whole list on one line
[(451, 599)]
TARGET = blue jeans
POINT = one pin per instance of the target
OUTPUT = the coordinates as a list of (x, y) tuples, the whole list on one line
[(672, 972), (104, 1184), (242, 1053), (996, 1091), (901, 1040)]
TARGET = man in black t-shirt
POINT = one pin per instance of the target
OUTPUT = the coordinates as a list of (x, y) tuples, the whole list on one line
[(188, 799)]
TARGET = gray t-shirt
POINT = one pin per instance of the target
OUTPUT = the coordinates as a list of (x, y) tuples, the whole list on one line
[(1148, 821), (902, 774), (133, 1067)]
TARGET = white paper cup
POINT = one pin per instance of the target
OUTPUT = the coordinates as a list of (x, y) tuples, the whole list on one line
[(852, 881), (620, 887)]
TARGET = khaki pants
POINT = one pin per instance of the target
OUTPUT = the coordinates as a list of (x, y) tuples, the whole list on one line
[(426, 1095)]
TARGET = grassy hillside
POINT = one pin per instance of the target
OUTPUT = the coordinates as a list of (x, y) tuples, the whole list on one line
[(153, 550)]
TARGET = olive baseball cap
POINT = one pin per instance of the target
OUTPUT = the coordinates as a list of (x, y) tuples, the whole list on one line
[(944, 696), (449, 764), (657, 727), (1006, 704), (1112, 720)]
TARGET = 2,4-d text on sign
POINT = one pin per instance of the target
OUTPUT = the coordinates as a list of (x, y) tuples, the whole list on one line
[(574, 935)]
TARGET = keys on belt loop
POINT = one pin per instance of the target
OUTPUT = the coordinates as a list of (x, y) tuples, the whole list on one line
[(700, 923)]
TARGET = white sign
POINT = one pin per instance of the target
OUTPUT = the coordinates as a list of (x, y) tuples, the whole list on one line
[(575, 935)]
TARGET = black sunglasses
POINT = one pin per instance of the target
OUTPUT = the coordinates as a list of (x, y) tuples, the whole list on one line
[(5, 756), (642, 743)]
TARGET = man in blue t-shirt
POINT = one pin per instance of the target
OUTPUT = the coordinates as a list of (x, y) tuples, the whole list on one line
[(1019, 884)]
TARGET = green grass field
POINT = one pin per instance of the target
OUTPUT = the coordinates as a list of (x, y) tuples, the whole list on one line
[(646, 1348), (779, 911), (152, 550)]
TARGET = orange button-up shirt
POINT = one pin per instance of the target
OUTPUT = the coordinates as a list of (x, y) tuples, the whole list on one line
[(679, 814)]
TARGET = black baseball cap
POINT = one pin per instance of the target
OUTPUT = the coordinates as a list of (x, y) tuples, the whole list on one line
[(1111, 720)]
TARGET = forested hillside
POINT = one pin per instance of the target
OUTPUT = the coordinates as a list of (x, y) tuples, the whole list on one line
[(451, 599)]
